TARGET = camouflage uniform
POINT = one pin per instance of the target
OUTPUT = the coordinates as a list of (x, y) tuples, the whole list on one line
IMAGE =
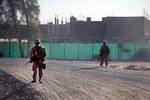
[(104, 53), (37, 55)]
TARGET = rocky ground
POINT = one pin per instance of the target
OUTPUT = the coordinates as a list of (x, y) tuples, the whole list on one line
[(75, 80)]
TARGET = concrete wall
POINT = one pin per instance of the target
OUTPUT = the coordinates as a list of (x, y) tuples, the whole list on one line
[(146, 27), (127, 28), (87, 30)]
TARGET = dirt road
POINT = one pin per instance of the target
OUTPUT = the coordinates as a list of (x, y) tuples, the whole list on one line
[(84, 80)]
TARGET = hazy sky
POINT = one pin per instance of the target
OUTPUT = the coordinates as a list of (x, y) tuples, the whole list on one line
[(91, 8)]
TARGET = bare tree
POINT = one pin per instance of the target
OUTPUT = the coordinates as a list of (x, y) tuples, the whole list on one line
[(16, 13)]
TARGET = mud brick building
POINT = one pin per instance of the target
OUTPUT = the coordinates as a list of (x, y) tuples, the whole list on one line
[(115, 29)]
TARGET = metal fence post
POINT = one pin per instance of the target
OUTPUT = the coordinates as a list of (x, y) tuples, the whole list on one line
[(64, 50), (50, 49), (9, 50), (78, 50), (92, 50), (134, 48)]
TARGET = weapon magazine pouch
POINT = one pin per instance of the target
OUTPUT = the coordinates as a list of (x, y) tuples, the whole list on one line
[(35, 58), (37, 54)]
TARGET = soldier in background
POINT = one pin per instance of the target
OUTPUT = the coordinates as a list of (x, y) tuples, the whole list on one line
[(37, 57), (104, 53)]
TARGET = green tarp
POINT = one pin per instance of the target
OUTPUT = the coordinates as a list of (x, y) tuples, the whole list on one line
[(73, 51)]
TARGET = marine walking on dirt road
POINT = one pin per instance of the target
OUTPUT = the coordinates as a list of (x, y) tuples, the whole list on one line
[(37, 57), (104, 54)]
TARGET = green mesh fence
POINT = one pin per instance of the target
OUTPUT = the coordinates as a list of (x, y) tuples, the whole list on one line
[(96, 47), (4, 49), (85, 51), (25, 49), (14, 50), (113, 51), (128, 51), (47, 48), (57, 51), (80, 51), (71, 51), (139, 46)]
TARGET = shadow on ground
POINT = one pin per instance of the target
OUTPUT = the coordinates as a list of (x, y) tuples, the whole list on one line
[(13, 89), (86, 68), (136, 68)]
